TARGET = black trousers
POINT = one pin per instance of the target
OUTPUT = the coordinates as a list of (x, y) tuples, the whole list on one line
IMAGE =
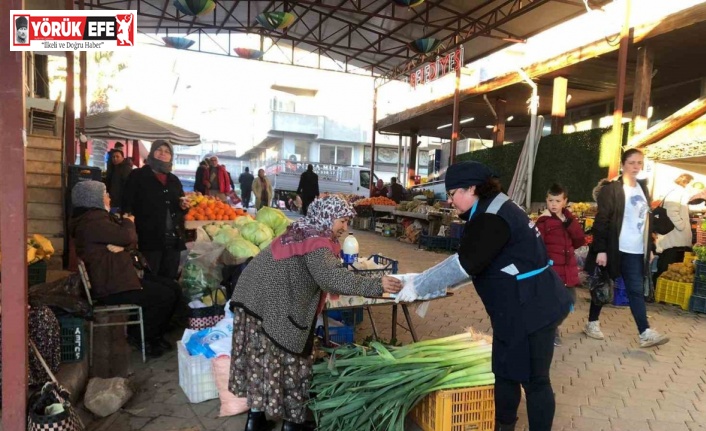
[(157, 301), (164, 263), (670, 255), (306, 201), (538, 390), (246, 198)]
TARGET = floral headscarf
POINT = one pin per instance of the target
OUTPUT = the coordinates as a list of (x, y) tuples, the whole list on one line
[(313, 231)]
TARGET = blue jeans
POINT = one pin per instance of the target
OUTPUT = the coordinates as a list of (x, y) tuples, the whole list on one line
[(632, 270)]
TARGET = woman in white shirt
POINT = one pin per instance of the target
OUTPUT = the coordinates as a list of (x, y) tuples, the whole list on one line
[(672, 246), (620, 243)]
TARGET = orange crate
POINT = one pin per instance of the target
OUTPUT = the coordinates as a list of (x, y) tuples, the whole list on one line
[(673, 292), (466, 409)]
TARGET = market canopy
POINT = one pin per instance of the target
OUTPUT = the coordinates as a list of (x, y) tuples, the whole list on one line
[(378, 37), (129, 124)]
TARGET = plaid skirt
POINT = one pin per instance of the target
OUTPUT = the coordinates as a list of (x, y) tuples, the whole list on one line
[(273, 380)]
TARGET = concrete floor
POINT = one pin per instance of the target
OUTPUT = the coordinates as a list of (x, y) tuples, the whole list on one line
[(606, 385)]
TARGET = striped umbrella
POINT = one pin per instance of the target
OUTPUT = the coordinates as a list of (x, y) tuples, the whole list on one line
[(194, 7), (275, 20), (251, 54), (408, 3), (424, 45), (177, 42)]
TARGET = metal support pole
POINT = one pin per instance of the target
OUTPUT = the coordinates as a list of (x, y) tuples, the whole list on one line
[(456, 126), (82, 90), (620, 94), (372, 146), (13, 230), (399, 154)]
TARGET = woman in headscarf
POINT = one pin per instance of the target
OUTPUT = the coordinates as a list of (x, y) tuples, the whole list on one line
[(154, 196), (276, 303)]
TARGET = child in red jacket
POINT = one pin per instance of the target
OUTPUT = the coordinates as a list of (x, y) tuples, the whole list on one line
[(562, 234)]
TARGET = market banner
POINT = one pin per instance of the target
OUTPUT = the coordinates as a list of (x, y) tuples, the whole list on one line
[(72, 30)]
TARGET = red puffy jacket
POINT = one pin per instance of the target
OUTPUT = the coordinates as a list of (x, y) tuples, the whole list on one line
[(561, 239)]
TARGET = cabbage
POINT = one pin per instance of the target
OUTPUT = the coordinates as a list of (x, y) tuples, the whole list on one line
[(241, 248), (242, 221), (212, 229), (226, 235), (272, 217), (256, 232), (263, 245), (281, 229)]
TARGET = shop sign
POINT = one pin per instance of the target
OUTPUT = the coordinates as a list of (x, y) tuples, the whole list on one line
[(432, 71)]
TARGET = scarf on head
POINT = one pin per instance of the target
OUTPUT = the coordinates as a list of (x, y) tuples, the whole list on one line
[(314, 231), (158, 165)]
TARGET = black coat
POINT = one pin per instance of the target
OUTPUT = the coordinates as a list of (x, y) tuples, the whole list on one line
[(198, 180), (149, 201), (245, 180), (308, 185), (607, 226), (116, 179)]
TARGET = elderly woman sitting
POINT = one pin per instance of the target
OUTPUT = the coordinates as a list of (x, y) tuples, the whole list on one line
[(103, 242)]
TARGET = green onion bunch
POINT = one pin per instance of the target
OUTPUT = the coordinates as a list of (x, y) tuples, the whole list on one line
[(375, 388)]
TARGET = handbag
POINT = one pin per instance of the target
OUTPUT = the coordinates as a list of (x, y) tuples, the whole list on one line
[(660, 221), (206, 317), (52, 411), (601, 286)]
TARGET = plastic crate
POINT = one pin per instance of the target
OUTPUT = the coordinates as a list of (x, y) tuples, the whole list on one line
[(37, 273), (699, 271), (673, 292), (456, 230), (697, 304), (433, 242), (196, 376), (389, 267), (73, 339), (463, 409), (347, 317), (361, 223), (620, 294), (337, 334)]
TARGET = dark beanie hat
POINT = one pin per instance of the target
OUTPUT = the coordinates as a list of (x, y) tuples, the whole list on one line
[(466, 174), (88, 194), (21, 22)]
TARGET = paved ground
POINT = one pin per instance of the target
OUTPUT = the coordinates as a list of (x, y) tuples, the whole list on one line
[(600, 385)]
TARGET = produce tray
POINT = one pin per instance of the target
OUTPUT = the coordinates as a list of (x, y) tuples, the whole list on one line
[(673, 292), (384, 208), (457, 410)]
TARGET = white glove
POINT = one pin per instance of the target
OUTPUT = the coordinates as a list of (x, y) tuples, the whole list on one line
[(408, 292)]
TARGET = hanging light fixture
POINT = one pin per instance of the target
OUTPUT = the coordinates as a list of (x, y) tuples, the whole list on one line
[(177, 42), (275, 20), (424, 45), (194, 7), (251, 54), (408, 3)]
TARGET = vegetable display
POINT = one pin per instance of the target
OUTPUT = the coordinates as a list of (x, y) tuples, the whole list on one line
[(375, 389), (210, 208), (378, 200)]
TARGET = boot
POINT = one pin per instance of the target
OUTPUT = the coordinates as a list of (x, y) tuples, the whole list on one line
[(502, 427), (258, 422), (293, 426)]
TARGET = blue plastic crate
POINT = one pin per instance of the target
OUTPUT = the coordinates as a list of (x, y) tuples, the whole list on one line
[(697, 304), (347, 317), (620, 294), (433, 242), (337, 334), (456, 230), (389, 267)]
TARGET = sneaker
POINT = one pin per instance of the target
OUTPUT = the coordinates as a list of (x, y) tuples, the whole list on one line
[(557, 341), (593, 330), (651, 338)]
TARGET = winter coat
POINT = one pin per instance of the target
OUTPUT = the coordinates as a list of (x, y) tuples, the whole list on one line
[(257, 188), (561, 239), (308, 185), (607, 226), (92, 230), (285, 294), (397, 192), (151, 203), (199, 185), (223, 177), (379, 192), (245, 180), (676, 204), (116, 180)]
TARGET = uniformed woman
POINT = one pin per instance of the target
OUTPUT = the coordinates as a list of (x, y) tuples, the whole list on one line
[(502, 252)]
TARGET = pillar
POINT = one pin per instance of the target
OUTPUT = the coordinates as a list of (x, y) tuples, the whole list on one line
[(559, 104), (643, 87)]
